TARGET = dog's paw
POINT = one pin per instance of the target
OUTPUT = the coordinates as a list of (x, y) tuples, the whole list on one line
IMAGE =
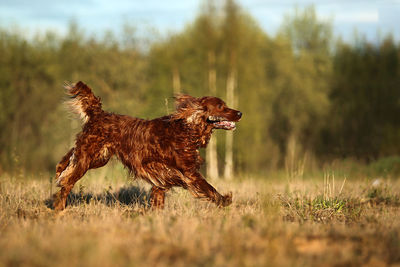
[(226, 200), (57, 201)]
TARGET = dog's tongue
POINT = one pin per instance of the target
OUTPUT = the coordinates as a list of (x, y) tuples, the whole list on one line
[(227, 125)]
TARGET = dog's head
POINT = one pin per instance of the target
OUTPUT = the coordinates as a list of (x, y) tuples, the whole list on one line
[(208, 110)]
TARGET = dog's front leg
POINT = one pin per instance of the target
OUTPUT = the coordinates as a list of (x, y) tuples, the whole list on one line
[(157, 197), (199, 187)]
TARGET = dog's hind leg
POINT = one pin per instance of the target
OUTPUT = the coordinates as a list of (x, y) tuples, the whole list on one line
[(64, 163), (79, 162), (67, 179)]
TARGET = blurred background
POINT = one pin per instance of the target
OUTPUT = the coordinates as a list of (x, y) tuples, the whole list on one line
[(318, 82)]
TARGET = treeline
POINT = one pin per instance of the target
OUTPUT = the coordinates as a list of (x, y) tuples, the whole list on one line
[(307, 98)]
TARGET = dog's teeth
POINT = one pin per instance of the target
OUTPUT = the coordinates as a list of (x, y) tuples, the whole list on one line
[(216, 118)]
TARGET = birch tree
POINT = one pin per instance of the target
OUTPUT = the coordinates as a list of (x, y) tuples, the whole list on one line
[(231, 32), (209, 38)]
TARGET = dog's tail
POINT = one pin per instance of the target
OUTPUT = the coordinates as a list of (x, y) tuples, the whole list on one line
[(82, 101)]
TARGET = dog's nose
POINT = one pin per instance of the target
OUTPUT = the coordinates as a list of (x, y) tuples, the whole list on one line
[(239, 114)]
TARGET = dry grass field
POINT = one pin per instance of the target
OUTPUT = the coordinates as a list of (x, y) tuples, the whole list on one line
[(322, 220)]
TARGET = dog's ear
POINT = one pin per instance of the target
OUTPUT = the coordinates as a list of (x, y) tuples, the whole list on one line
[(185, 101), (188, 108)]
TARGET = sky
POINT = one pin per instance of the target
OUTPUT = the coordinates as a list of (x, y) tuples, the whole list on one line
[(371, 18)]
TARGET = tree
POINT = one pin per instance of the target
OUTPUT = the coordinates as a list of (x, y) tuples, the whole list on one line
[(302, 86), (213, 56), (365, 101), (208, 38), (231, 37)]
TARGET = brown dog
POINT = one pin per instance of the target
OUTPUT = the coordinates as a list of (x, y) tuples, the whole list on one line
[(162, 151)]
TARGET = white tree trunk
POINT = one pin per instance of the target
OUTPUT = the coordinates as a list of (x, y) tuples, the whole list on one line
[(230, 100), (211, 152), (296, 158), (212, 159)]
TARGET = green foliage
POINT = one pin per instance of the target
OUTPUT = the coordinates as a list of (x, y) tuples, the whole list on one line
[(387, 166), (301, 93), (301, 73), (35, 127), (365, 101)]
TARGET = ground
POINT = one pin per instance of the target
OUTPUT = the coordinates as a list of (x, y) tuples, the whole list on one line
[(320, 220)]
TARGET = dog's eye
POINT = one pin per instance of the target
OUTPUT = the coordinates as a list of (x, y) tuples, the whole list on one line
[(219, 106)]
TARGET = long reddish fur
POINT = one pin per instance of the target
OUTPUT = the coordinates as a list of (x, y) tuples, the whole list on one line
[(163, 151)]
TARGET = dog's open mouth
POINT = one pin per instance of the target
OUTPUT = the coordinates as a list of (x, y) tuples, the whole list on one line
[(221, 123)]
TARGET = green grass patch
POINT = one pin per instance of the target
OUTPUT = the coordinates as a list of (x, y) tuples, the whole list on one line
[(320, 209)]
